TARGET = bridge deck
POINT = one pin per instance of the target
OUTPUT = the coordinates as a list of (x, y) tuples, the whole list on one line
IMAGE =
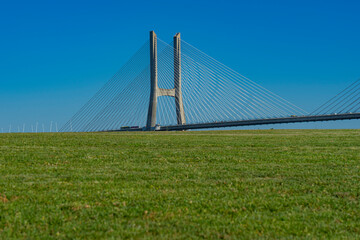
[(297, 119)]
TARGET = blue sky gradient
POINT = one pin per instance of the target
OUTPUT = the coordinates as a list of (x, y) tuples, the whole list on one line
[(54, 55)]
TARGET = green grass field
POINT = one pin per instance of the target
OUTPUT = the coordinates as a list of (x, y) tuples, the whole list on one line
[(181, 185)]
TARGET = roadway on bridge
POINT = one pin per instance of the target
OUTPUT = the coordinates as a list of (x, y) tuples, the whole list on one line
[(295, 119)]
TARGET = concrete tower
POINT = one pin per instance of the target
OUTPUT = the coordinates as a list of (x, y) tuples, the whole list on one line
[(180, 114), (156, 92)]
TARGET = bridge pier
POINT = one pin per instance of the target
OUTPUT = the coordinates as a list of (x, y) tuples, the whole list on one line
[(180, 114), (151, 118), (156, 92)]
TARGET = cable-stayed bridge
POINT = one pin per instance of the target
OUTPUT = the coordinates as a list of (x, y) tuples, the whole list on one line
[(175, 86)]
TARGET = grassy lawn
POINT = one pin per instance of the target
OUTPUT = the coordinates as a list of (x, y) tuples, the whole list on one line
[(181, 185)]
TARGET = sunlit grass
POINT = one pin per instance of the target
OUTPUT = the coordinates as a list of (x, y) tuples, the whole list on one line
[(220, 184)]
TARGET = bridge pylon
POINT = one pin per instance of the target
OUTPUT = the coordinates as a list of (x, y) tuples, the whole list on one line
[(156, 92)]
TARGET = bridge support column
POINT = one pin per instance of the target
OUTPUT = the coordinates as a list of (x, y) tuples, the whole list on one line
[(156, 92), (151, 118), (180, 114)]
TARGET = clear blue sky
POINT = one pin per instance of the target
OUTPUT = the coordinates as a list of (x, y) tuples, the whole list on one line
[(54, 55)]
